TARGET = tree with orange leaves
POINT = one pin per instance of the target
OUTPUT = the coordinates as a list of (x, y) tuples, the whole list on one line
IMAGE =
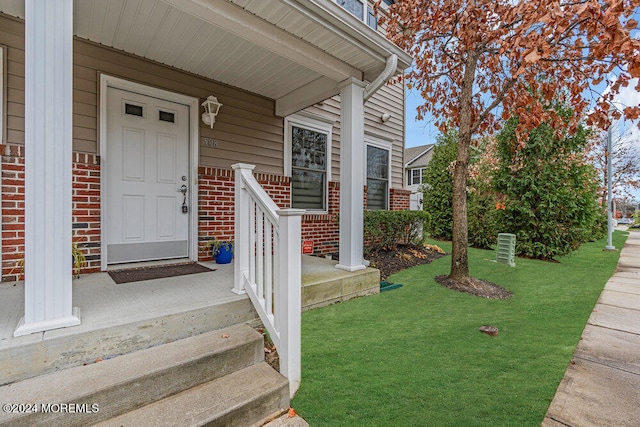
[(480, 62)]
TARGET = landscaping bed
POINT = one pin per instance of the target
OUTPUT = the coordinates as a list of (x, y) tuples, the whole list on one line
[(390, 261)]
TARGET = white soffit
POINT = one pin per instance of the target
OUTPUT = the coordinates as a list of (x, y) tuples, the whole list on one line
[(274, 48)]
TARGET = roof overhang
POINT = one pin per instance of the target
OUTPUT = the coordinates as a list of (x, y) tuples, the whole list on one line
[(292, 51)]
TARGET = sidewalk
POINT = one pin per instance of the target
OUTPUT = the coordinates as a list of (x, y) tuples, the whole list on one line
[(601, 386)]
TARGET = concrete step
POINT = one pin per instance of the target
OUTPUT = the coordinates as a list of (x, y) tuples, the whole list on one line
[(125, 383), (321, 287), (248, 397), (51, 351)]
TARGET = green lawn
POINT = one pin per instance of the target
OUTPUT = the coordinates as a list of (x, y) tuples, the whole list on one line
[(414, 356)]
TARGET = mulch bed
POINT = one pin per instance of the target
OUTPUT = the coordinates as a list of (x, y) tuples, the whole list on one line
[(477, 287), (404, 256), (156, 272)]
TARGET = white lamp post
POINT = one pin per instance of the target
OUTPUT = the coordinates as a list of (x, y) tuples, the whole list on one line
[(609, 246)]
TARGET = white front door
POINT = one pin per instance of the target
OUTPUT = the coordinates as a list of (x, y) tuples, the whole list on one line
[(147, 166)]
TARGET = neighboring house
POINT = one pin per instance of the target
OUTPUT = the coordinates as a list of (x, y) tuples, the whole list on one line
[(416, 160), (105, 141)]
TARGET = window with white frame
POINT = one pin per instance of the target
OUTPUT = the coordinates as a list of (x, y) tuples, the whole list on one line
[(372, 20), (378, 175), (307, 160), (414, 176), (363, 10), (356, 7)]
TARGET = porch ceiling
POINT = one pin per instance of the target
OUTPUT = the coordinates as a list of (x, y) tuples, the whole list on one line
[(292, 51)]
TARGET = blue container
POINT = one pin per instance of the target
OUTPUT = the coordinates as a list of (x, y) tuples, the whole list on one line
[(224, 255)]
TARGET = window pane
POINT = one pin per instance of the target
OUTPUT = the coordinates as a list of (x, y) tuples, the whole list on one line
[(417, 176), (166, 116), (353, 6), (308, 149), (376, 194), (371, 19), (134, 110), (377, 163), (307, 189)]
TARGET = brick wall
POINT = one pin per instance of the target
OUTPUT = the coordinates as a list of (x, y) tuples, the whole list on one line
[(216, 198), (12, 212), (85, 220), (323, 229), (85, 210), (399, 200)]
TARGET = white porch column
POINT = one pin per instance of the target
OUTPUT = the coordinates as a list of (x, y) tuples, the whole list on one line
[(48, 150), (352, 164)]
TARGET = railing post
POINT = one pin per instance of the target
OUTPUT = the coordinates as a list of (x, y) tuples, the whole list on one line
[(289, 296), (241, 249)]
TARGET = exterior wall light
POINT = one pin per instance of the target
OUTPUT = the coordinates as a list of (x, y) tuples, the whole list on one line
[(211, 108), (384, 118)]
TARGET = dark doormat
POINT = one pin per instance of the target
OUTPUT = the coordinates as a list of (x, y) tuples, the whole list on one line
[(156, 272)]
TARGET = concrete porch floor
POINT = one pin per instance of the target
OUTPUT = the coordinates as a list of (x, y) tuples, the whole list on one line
[(120, 318)]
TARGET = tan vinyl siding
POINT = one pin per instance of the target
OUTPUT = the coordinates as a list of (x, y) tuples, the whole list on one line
[(12, 37), (246, 128), (388, 99)]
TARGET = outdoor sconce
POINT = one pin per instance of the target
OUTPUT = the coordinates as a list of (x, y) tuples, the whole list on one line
[(384, 118), (211, 108)]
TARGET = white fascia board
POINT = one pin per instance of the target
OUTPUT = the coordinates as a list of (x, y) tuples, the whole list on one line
[(337, 19), (249, 27), (305, 96)]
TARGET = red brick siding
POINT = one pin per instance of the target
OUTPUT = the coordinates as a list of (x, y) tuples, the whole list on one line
[(86, 208), (399, 199), (12, 211), (216, 198), (323, 229)]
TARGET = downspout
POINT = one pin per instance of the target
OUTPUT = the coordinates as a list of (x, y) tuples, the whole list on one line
[(389, 70)]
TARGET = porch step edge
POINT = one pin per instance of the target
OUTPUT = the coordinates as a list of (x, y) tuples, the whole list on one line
[(130, 381), (65, 349), (317, 292), (249, 397)]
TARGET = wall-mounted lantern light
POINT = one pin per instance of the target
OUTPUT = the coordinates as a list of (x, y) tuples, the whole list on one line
[(211, 108)]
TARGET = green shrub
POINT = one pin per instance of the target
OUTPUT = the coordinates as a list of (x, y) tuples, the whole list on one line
[(385, 229), (481, 197), (549, 191), (438, 186)]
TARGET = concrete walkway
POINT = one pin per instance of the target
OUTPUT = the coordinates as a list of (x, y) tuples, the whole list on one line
[(601, 387)]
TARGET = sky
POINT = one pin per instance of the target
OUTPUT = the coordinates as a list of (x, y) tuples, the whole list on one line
[(421, 132)]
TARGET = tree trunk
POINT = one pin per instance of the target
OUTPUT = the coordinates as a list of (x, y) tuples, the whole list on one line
[(460, 231)]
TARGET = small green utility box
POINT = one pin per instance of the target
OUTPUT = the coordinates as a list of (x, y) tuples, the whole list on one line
[(506, 253)]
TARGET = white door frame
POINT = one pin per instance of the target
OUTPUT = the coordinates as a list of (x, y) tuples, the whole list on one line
[(106, 82)]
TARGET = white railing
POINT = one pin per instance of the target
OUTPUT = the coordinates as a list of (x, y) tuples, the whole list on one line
[(267, 266)]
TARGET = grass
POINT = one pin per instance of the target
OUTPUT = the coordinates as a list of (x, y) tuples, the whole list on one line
[(414, 356)]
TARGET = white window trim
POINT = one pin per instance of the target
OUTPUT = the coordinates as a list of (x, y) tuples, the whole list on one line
[(315, 123), (365, 4), (421, 175), (370, 140)]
